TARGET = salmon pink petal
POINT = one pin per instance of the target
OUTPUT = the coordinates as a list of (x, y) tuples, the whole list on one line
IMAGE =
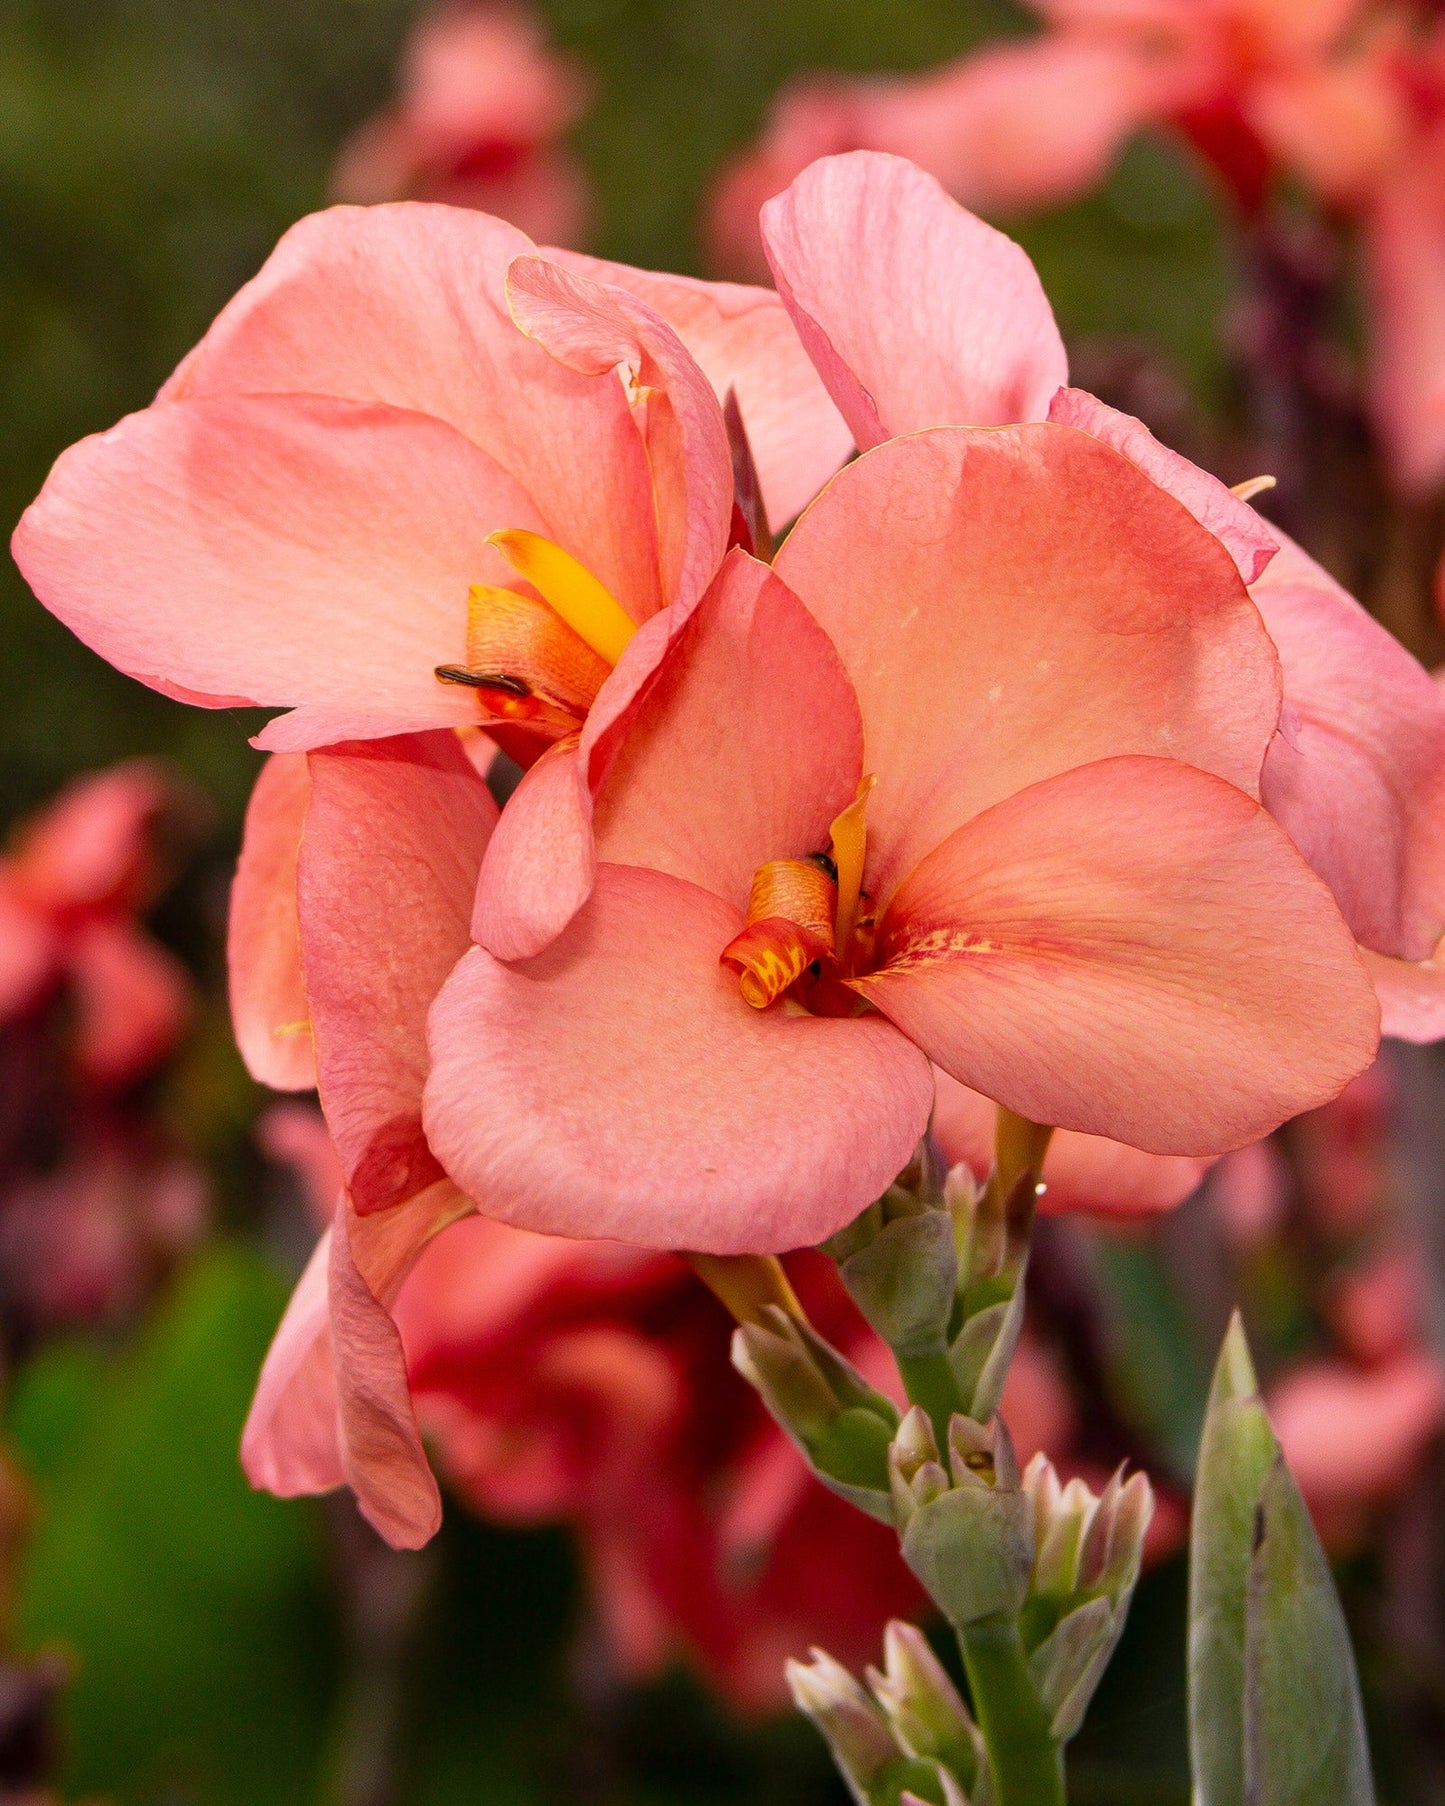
[(406, 305), (539, 866), (593, 329), (1133, 949), (289, 1445), (915, 313), (294, 550), (618, 1086), (1249, 542), (1358, 779), (394, 836), (381, 1450), (1354, 1437), (708, 791), (1033, 603), (1411, 994), (744, 341), (133, 1001), (1082, 1172), (269, 1011)]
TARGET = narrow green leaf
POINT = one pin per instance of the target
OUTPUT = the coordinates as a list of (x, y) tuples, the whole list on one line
[(1235, 1457), (1304, 1729)]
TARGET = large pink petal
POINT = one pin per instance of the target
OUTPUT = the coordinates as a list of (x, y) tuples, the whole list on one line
[(1082, 1172), (1411, 994), (744, 749), (288, 549), (1358, 777), (394, 836), (593, 328), (916, 313), (406, 305), (1012, 603), (743, 340), (1247, 539), (269, 1012), (619, 1086), (1134, 949)]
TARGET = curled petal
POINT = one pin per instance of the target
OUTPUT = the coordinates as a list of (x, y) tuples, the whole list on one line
[(1411, 994), (1133, 949), (743, 341)]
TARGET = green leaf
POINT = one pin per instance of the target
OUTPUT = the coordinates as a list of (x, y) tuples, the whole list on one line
[(1235, 1457), (1274, 1705), (1303, 1722)]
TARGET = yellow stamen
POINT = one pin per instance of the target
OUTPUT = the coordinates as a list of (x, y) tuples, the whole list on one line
[(850, 843), (1019, 1148), (1255, 486), (588, 607), (747, 1283)]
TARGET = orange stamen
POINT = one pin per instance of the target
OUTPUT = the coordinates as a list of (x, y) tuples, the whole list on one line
[(526, 663), (790, 928)]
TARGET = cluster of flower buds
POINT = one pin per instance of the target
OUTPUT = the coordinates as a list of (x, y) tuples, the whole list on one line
[(906, 1736), (1048, 1568), (938, 1270)]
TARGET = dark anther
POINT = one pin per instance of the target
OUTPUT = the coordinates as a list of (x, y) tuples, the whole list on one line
[(484, 680), (825, 862)]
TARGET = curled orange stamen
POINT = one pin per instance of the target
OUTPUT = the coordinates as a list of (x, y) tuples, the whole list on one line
[(850, 846), (790, 928)]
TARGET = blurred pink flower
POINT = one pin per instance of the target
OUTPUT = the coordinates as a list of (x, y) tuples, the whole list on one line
[(1027, 124), (1354, 1437), (71, 885), (484, 103)]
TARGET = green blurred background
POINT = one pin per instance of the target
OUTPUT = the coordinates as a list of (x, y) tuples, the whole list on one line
[(151, 151)]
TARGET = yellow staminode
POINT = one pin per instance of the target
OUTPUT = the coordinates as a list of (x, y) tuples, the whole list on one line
[(588, 607), (850, 844)]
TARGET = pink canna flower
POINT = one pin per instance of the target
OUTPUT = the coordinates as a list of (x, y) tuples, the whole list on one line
[(548, 525), (484, 102), (70, 888), (1356, 773)]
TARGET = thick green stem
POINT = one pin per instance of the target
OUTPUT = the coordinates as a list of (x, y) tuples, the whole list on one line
[(1028, 1766), (929, 1381)]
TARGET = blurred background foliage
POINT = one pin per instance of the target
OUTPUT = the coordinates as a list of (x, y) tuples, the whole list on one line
[(151, 151)]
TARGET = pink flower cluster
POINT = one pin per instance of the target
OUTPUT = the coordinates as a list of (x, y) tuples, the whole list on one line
[(1344, 97), (94, 1198), (1032, 770)]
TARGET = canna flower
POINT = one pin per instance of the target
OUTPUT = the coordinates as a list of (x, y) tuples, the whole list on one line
[(546, 524), (1356, 772), (484, 102)]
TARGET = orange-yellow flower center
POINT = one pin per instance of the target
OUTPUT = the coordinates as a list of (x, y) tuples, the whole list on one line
[(538, 660), (806, 923)]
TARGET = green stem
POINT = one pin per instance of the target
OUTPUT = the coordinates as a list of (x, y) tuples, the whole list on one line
[(1028, 1766), (929, 1381)]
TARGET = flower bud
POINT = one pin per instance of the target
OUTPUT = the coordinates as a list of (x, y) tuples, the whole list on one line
[(923, 1706), (972, 1547), (916, 1476), (856, 1730)]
